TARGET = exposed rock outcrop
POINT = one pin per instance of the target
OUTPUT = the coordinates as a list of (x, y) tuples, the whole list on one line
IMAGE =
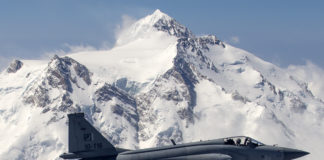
[(14, 66)]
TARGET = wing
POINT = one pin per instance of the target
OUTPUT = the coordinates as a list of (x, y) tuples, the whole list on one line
[(210, 156)]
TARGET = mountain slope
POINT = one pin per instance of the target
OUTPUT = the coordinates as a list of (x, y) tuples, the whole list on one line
[(159, 82)]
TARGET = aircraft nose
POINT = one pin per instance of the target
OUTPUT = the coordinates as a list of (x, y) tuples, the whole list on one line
[(290, 154)]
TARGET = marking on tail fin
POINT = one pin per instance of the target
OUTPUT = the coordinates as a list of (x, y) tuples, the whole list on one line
[(84, 137)]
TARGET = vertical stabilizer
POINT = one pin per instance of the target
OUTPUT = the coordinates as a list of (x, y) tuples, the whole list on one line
[(83, 137)]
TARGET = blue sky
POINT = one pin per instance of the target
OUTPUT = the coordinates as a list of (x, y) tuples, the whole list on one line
[(282, 32)]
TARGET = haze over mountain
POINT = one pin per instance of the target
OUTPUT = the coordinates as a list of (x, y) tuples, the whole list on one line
[(159, 82)]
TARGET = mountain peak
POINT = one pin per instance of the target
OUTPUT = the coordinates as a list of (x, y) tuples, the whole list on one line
[(158, 12), (165, 23), (14, 66), (157, 21), (157, 15)]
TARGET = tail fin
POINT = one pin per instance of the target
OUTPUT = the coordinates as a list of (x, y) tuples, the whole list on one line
[(84, 137)]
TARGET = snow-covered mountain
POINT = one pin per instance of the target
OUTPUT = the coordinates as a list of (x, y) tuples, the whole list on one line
[(160, 81)]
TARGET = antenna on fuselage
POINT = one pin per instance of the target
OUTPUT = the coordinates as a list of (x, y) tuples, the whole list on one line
[(173, 142)]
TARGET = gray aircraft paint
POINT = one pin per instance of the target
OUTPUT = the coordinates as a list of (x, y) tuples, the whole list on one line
[(86, 143)]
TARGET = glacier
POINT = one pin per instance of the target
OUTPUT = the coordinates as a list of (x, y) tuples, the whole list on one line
[(159, 82)]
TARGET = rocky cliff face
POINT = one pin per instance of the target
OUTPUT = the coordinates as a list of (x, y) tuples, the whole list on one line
[(14, 66), (176, 89), (61, 77), (210, 90)]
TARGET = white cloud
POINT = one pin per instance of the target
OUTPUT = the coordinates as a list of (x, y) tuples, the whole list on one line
[(235, 39), (127, 21), (312, 74), (106, 45), (68, 49), (49, 55), (79, 48), (4, 63)]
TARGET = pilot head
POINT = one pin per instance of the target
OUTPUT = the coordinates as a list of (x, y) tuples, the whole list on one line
[(238, 141)]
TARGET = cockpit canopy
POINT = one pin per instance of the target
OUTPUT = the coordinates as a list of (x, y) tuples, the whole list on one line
[(242, 141)]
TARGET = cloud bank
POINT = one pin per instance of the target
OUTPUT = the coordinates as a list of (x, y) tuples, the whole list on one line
[(312, 74), (235, 39), (4, 62), (127, 21)]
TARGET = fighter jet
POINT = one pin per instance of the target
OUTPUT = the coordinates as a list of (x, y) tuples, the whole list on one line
[(86, 143)]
